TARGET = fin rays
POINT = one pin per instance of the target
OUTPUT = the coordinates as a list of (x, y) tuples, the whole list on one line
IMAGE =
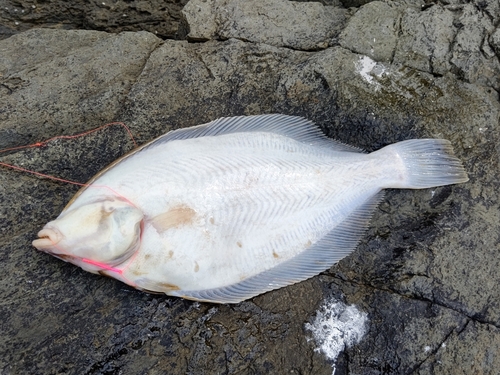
[(298, 128), (337, 244)]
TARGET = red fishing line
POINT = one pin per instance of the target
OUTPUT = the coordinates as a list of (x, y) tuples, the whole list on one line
[(101, 265), (43, 143)]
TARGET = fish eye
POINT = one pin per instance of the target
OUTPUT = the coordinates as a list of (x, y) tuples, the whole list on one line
[(108, 207)]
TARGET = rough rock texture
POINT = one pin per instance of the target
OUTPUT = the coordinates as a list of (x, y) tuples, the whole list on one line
[(472, 54), (160, 17), (379, 40), (283, 23), (483, 355), (439, 39), (426, 272), (426, 40), (63, 93)]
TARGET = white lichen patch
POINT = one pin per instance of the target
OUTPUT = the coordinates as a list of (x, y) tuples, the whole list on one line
[(368, 68), (336, 327)]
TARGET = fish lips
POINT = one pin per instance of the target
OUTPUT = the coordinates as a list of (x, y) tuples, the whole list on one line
[(47, 241)]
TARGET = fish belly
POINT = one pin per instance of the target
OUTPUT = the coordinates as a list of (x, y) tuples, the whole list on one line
[(222, 210)]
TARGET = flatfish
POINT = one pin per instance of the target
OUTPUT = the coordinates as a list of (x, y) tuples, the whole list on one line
[(224, 211)]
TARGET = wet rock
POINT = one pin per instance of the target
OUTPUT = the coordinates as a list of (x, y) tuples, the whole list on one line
[(161, 18), (425, 274), (421, 325), (482, 357), (304, 26)]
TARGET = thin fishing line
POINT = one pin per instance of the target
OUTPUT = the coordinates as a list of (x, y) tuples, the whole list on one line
[(101, 265), (43, 143), (40, 144)]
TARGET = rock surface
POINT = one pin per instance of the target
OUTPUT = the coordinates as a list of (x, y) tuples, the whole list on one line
[(63, 93), (380, 38), (281, 23), (426, 272), (160, 17)]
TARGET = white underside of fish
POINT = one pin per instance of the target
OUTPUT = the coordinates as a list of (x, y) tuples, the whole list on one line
[(245, 205)]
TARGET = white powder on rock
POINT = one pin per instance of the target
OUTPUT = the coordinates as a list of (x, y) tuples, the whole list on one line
[(336, 327), (368, 68)]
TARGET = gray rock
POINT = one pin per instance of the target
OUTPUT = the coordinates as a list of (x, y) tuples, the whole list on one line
[(373, 31), (482, 356), (468, 52), (456, 39), (47, 89), (426, 39), (494, 41), (490, 8), (425, 273), (282, 23), (160, 17)]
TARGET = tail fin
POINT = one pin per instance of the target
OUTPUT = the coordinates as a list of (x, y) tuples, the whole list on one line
[(428, 163)]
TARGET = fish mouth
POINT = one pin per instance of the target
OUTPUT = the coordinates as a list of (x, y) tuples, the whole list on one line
[(48, 239)]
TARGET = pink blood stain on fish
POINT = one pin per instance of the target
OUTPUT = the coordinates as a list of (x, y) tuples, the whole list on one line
[(64, 255)]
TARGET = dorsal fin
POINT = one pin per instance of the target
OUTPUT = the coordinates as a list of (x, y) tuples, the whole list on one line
[(294, 127)]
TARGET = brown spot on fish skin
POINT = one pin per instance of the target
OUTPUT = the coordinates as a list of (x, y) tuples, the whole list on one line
[(196, 267), (144, 262), (167, 286), (104, 273), (157, 288), (175, 217), (308, 244), (212, 221), (275, 254), (139, 272), (239, 244), (100, 218), (104, 216)]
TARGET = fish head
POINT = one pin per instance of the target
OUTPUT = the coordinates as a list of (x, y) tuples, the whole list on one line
[(103, 233)]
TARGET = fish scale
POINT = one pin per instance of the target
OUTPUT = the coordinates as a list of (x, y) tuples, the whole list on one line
[(227, 210)]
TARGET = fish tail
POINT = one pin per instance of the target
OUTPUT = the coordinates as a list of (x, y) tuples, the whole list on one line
[(425, 163)]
